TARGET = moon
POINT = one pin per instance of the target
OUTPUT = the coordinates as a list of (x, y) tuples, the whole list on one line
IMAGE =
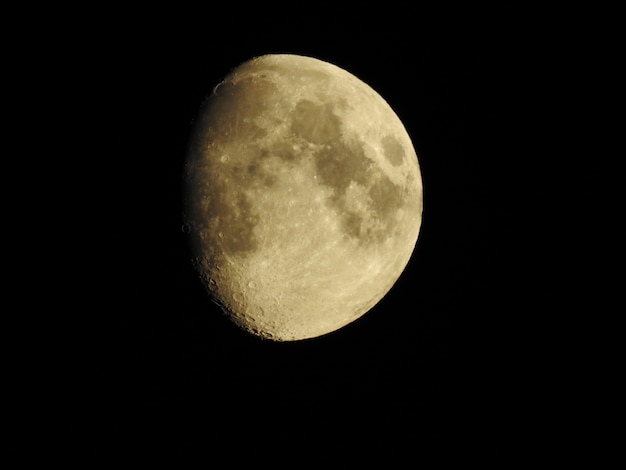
[(303, 197)]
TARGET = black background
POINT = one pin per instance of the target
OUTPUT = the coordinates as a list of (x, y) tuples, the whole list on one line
[(166, 374)]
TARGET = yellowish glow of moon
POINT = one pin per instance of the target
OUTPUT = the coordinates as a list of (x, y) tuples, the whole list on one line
[(303, 197)]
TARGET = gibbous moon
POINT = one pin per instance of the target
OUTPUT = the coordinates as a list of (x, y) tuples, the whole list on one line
[(303, 197)]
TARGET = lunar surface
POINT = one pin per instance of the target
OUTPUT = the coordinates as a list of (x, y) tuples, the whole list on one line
[(303, 197)]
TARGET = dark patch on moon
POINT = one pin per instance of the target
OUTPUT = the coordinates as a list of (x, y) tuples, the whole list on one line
[(253, 169), (227, 218), (315, 123), (386, 197), (283, 150), (393, 150), (340, 164), (352, 224), (337, 163), (247, 171)]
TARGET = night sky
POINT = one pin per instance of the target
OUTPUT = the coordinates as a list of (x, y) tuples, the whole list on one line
[(171, 375)]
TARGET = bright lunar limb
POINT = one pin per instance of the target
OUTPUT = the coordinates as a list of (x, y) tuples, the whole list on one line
[(303, 196)]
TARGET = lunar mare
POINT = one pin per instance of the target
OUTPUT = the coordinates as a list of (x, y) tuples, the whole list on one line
[(303, 196)]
